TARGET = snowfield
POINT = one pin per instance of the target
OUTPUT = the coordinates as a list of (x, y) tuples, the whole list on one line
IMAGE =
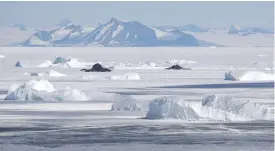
[(138, 105)]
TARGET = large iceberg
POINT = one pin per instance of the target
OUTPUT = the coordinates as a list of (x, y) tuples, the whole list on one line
[(212, 107), (125, 103), (24, 91), (239, 107), (43, 90), (171, 107)]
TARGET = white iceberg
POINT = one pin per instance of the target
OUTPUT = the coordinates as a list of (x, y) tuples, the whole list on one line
[(238, 107), (257, 76), (70, 94), (43, 91), (213, 107), (127, 76), (249, 76), (171, 107), (125, 103), (2, 56), (22, 92)]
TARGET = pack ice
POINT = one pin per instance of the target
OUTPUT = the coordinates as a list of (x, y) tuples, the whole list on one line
[(212, 107), (43, 90)]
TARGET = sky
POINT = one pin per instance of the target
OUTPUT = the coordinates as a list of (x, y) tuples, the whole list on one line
[(205, 14)]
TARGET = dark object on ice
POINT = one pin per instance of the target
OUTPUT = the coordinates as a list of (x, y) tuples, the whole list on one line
[(177, 67), (97, 68)]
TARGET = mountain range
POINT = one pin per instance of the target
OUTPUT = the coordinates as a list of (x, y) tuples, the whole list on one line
[(117, 33)]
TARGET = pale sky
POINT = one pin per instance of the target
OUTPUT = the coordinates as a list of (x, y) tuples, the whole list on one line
[(205, 14)]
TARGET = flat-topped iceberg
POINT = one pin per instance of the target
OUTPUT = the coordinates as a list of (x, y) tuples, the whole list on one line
[(171, 107), (212, 107)]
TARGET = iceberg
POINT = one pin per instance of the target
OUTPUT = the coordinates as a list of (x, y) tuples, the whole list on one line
[(127, 76), (171, 107), (212, 107), (239, 107), (43, 90), (125, 103), (249, 76)]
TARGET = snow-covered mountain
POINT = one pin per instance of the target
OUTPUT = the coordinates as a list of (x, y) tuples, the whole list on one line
[(66, 33), (113, 33), (117, 33)]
